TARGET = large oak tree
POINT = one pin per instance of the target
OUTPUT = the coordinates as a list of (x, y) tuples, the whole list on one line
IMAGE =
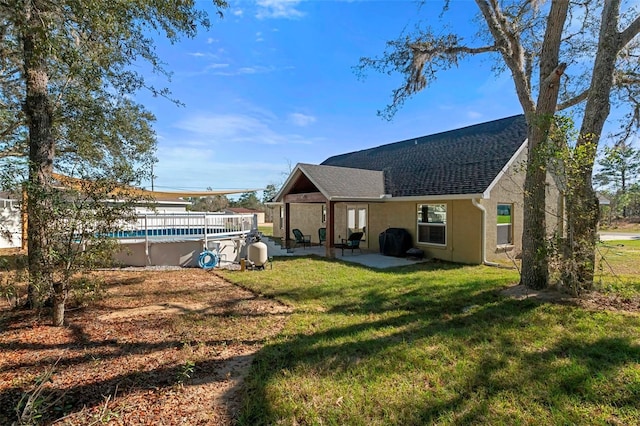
[(561, 54), (66, 82)]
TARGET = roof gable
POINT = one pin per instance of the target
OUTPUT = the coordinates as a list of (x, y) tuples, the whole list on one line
[(345, 182), (333, 182), (462, 161)]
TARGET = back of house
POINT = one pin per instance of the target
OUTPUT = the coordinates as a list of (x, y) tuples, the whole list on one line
[(457, 193)]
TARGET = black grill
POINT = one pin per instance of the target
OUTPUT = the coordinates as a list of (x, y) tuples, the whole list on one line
[(395, 242)]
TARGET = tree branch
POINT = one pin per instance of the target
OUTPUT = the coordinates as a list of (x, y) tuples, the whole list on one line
[(511, 50), (10, 129), (554, 76), (573, 101), (15, 152), (626, 80), (425, 49), (629, 33)]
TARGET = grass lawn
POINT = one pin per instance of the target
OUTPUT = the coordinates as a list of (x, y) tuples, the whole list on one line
[(618, 267), (267, 230), (437, 343)]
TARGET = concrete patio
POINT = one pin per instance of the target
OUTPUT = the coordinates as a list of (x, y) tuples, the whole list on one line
[(369, 259)]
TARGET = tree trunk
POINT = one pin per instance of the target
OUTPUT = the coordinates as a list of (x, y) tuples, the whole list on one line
[(535, 266), (584, 218), (59, 298), (535, 261), (582, 215), (623, 186), (38, 113)]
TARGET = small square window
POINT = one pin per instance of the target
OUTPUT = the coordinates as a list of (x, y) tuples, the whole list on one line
[(432, 223)]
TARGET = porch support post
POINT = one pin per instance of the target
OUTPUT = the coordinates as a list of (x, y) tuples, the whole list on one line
[(287, 225), (328, 245)]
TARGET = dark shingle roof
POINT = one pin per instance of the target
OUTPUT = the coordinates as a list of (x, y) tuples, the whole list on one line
[(462, 161), (345, 182)]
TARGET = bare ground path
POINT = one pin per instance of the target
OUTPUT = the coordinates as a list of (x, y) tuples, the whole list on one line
[(162, 348)]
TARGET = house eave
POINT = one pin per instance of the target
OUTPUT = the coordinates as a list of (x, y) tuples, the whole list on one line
[(388, 198), (379, 199), (487, 192), (436, 197)]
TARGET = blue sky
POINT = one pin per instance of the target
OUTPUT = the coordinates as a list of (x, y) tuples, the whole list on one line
[(272, 84)]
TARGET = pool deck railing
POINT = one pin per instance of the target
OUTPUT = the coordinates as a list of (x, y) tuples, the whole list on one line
[(199, 226)]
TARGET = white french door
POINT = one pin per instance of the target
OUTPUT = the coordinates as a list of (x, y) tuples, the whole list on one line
[(357, 220)]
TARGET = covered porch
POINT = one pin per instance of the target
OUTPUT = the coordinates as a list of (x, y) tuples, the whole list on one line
[(366, 258), (316, 191)]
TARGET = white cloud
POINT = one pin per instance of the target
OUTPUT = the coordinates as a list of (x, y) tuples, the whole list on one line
[(256, 69), (474, 115), (250, 70), (286, 9), (216, 66), (212, 68), (300, 119), (259, 37), (211, 40), (238, 12), (203, 55), (193, 168), (229, 129)]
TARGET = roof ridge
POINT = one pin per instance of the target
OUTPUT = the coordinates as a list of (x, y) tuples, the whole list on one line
[(434, 136), (457, 161)]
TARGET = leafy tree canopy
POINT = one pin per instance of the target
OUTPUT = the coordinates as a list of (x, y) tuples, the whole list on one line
[(560, 54), (66, 86)]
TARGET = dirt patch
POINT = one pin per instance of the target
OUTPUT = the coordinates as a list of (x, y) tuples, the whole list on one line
[(166, 308), (164, 347), (628, 225), (592, 300)]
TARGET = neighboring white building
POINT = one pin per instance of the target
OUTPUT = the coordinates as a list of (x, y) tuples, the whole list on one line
[(11, 219), (10, 222), (164, 206), (242, 210)]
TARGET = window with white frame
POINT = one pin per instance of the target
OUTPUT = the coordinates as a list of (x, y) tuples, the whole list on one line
[(324, 213), (505, 224), (432, 224)]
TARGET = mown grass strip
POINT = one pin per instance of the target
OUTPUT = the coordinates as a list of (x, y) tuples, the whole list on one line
[(618, 267), (435, 343)]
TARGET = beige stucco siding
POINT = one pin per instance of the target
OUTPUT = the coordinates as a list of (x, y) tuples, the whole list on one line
[(509, 190), (277, 222), (340, 222), (391, 215), (465, 232), (463, 228), (307, 218)]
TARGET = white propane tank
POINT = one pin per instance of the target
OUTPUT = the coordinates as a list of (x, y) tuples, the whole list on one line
[(257, 253)]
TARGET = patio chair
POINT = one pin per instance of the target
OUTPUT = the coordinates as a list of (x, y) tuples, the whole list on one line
[(301, 238), (322, 235), (353, 242)]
